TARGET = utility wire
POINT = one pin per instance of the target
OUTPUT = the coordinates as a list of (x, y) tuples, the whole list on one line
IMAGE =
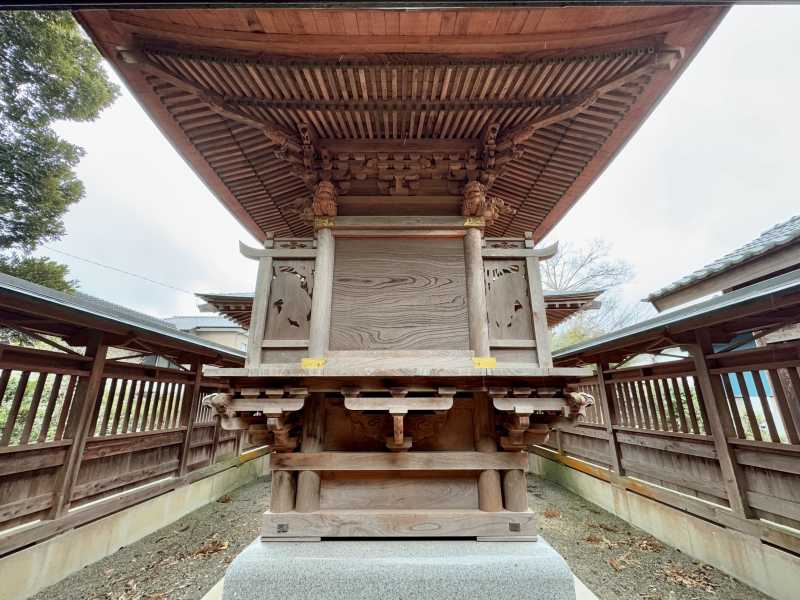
[(124, 272)]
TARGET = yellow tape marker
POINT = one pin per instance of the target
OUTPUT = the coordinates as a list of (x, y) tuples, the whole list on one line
[(322, 222), (474, 222), (313, 363), (484, 362)]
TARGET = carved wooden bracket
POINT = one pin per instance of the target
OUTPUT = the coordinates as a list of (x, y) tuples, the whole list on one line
[(398, 406), (521, 405), (261, 412)]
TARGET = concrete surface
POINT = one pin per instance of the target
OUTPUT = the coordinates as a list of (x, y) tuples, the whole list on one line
[(366, 570), (764, 567), (32, 569)]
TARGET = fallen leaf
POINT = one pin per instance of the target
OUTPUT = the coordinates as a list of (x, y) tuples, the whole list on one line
[(225, 499), (552, 513)]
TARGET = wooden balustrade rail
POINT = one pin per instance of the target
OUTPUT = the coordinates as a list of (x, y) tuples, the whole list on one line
[(77, 429), (718, 428)]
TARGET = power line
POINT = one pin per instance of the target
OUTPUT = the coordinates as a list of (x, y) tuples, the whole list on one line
[(123, 271)]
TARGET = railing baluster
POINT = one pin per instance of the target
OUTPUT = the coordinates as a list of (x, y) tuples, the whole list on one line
[(52, 400), (118, 409), (755, 431), (66, 406), (765, 407), (791, 426), (736, 416), (33, 409), (690, 406), (13, 410)]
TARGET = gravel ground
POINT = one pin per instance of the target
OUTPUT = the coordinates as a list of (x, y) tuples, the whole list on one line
[(179, 562), (614, 559), (618, 561)]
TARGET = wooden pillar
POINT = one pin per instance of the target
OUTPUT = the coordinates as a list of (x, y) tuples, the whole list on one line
[(283, 491), (609, 411), (476, 294), (720, 424), (258, 314), (215, 438), (191, 398), (320, 329), (489, 496), (80, 417), (308, 482), (538, 312), (515, 490)]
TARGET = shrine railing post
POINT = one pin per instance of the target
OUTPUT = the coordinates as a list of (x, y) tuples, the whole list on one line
[(79, 423), (712, 397)]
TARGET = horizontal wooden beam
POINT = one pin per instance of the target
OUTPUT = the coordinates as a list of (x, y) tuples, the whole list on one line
[(406, 461), (399, 523), (540, 253), (389, 146), (276, 253)]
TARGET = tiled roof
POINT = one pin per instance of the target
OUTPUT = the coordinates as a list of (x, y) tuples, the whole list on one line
[(772, 239)]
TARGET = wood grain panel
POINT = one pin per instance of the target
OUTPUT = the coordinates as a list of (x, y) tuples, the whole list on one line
[(414, 490), (399, 294)]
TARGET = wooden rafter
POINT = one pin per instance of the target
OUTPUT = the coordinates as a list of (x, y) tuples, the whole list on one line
[(665, 59), (214, 101)]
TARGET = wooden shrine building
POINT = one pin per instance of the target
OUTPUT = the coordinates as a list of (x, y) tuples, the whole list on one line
[(399, 168)]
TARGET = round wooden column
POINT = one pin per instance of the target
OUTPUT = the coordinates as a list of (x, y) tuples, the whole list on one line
[(283, 489), (308, 482), (490, 499), (320, 330), (515, 490), (476, 294)]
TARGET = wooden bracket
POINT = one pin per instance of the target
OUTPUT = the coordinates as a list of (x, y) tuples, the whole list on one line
[(398, 406)]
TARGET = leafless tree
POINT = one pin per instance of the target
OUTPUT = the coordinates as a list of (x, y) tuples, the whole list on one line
[(591, 267)]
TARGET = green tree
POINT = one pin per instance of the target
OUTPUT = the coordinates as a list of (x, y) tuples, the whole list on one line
[(49, 71)]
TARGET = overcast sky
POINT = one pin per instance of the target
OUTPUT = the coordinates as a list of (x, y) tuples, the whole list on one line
[(714, 165)]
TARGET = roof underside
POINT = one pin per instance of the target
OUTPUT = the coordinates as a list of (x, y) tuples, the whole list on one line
[(559, 306), (399, 107)]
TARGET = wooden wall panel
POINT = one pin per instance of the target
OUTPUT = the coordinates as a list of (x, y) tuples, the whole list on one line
[(404, 490), (399, 294)]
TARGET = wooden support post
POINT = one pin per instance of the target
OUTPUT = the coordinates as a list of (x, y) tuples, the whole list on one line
[(283, 491), (609, 410), (191, 399), (720, 424), (258, 314), (308, 482), (515, 490), (540, 330), (476, 294), (489, 496), (80, 417), (320, 328)]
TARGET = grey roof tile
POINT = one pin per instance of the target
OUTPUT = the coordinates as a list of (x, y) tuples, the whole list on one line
[(772, 239)]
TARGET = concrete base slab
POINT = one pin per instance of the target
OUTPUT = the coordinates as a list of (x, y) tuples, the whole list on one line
[(409, 569)]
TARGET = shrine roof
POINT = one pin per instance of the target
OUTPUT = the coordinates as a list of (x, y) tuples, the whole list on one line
[(754, 307), (776, 238), (400, 108), (68, 314)]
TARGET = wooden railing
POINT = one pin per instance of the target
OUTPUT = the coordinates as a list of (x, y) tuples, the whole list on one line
[(713, 430), (77, 431)]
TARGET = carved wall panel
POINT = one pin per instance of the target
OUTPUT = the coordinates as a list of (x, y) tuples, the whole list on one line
[(394, 294), (289, 308), (508, 304)]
